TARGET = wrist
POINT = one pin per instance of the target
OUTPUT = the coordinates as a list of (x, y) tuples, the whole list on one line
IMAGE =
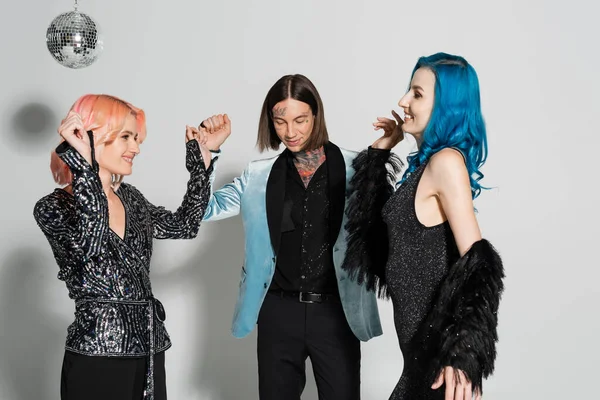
[(386, 143), (383, 145), (379, 146)]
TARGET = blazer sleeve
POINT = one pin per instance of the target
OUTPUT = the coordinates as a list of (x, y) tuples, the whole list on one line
[(226, 201)]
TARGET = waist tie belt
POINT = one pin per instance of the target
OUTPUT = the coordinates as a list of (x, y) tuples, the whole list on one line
[(154, 308)]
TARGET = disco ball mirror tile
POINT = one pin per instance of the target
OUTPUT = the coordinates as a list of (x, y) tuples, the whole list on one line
[(74, 40)]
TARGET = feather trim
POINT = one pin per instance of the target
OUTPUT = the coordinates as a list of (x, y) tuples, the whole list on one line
[(460, 330), (370, 188)]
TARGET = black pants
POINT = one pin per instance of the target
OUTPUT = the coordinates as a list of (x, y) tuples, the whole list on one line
[(289, 332), (114, 378)]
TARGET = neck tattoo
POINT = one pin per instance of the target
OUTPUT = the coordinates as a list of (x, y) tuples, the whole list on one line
[(307, 163)]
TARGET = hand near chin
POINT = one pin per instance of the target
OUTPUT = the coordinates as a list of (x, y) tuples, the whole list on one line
[(218, 129), (201, 136), (73, 131), (392, 132)]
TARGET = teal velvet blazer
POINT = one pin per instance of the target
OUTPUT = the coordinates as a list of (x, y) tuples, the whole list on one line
[(258, 194)]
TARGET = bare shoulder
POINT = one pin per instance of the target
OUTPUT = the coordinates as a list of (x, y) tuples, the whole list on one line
[(447, 161), (447, 168)]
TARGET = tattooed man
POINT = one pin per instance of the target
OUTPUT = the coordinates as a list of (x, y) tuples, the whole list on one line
[(292, 285)]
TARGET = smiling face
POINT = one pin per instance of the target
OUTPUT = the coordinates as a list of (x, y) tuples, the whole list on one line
[(117, 156), (418, 102), (293, 121)]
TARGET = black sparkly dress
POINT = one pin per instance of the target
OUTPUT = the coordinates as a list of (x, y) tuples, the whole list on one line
[(445, 306), (419, 259)]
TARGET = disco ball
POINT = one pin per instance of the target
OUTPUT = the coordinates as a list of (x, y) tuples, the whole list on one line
[(74, 40)]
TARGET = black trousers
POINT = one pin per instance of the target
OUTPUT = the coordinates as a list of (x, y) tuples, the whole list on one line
[(114, 378), (289, 332)]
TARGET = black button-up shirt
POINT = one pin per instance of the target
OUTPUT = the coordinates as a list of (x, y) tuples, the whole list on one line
[(305, 258)]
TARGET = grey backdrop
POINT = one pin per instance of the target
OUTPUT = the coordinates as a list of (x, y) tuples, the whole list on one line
[(184, 60)]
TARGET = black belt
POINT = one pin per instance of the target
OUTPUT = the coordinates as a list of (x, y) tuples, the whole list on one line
[(307, 297)]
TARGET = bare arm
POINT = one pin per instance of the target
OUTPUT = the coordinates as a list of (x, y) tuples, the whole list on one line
[(452, 186)]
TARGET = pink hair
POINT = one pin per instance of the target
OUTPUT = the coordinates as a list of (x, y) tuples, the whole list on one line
[(105, 115)]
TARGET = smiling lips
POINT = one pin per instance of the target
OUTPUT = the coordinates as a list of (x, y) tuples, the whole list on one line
[(128, 159)]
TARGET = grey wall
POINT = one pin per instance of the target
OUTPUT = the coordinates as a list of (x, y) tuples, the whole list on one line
[(184, 60)]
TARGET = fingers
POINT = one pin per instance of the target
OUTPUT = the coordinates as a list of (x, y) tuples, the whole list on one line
[(213, 124), (192, 133), (73, 132), (468, 389), (205, 124), (189, 133), (219, 120), (463, 389), (385, 126), (202, 136), (72, 125), (216, 123), (450, 383), (467, 393), (459, 393), (203, 131), (388, 125), (439, 381), (397, 117)]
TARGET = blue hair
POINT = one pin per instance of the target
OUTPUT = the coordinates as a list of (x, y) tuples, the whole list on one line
[(456, 120)]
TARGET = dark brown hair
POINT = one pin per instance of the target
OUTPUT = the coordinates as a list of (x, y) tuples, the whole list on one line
[(297, 87)]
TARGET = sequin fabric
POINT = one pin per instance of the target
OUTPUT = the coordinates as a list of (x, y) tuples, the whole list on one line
[(116, 313), (419, 258)]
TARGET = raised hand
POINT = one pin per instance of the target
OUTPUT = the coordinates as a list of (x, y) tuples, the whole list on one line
[(73, 131), (218, 128), (392, 132), (201, 136)]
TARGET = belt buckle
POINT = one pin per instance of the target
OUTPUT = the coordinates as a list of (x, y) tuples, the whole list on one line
[(306, 301)]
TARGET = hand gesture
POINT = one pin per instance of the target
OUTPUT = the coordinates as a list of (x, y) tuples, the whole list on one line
[(200, 135), (458, 387), (392, 132), (74, 133), (218, 128)]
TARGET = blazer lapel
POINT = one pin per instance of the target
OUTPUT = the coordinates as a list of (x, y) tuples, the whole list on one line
[(275, 196), (336, 171)]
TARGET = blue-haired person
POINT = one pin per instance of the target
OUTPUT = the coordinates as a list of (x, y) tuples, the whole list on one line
[(420, 244)]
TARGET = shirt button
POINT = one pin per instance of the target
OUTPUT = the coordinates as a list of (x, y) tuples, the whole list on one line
[(303, 277)]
